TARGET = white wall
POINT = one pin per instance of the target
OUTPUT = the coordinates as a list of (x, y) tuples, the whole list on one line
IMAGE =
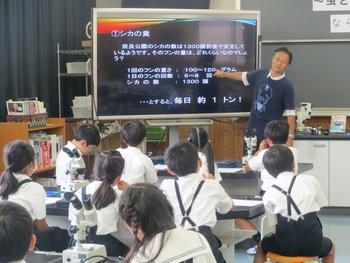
[(109, 3), (225, 4)]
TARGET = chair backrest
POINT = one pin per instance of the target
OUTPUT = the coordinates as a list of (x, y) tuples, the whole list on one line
[(296, 259)]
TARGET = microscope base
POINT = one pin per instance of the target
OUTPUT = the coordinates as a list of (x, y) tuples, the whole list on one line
[(78, 254)]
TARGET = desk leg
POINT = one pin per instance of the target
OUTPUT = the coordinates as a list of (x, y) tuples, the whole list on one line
[(224, 230)]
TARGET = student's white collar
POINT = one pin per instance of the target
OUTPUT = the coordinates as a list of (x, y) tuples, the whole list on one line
[(276, 78), (134, 148), (188, 177), (21, 177), (285, 175)]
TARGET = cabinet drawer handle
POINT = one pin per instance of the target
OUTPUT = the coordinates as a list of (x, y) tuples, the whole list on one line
[(319, 145)]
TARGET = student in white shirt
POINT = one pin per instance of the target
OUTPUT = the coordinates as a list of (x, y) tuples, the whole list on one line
[(16, 185), (192, 196), (105, 193), (199, 138), (138, 168), (276, 132), (85, 140), (294, 202), (150, 217), (16, 232)]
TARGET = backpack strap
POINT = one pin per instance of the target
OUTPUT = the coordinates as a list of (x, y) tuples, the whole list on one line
[(24, 182), (19, 185), (190, 260), (290, 201), (187, 213)]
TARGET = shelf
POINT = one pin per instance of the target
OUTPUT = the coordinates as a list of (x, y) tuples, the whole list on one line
[(75, 52), (74, 75), (11, 131), (47, 127), (46, 169)]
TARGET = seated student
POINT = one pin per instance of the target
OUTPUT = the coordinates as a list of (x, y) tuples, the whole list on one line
[(16, 232), (199, 138), (105, 194), (139, 168), (86, 138), (294, 200), (276, 132), (150, 217), (16, 185), (201, 199)]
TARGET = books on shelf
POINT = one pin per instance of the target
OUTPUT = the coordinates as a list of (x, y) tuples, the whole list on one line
[(29, 110), (25, 106), (46, 148)]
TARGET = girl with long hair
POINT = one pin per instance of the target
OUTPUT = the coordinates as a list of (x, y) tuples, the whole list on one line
[(150, 217), (200, 138), (105, 192)]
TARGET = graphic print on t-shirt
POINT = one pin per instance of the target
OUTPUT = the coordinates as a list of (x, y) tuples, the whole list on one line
[(264, 95)]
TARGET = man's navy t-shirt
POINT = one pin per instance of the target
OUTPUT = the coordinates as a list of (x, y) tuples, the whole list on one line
[(271, 99)]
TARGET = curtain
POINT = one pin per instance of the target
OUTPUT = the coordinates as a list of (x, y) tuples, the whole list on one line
[(29, 33)]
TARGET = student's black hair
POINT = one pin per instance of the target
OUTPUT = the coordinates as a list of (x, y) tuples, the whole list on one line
[(89, 133), (16, 230), (108, 166), (277, 131), (285, 50), (133, 133), (144, 206), (182, 158), (278, 159), (199, 138), (17, 155)]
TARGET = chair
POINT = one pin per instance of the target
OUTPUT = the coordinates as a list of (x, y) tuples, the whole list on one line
[(274, 257)]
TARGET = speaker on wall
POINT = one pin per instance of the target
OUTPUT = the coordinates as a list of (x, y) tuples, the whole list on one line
[(181, 4)]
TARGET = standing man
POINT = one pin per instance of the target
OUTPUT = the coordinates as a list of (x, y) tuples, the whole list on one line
[(273, 95)]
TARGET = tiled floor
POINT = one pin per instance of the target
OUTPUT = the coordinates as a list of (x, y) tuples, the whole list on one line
[(336, 227)]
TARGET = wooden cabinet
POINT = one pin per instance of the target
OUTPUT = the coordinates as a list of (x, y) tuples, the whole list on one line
[(10, 131)]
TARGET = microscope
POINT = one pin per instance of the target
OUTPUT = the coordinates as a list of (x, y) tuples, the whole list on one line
[(75, 173), (303, 113), (250, 141), (86, 217)]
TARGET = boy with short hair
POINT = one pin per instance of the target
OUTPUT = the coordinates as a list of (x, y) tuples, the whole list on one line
[(195, 201), (276, 132), (293, 201), (85, 140), (138, 167), (16, 232)]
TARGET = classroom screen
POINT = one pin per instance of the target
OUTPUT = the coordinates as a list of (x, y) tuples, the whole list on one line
[(158, 66)]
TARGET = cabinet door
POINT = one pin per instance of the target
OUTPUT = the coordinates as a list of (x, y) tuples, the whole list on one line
[(315, 152), (339, 173)]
